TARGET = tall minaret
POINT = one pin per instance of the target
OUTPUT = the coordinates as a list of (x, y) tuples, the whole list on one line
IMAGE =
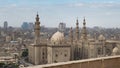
[(77, 30), (37, 30), (71, 35), (84, 31)]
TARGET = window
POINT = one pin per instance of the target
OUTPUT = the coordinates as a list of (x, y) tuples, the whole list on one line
[(56, 55), (65, 55), (43, 57), (43, 53), (55, 61), (99, 51)]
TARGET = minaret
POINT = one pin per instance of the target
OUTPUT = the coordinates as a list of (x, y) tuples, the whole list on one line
[(37, 30), (71, 35), (84, 31), (85, 47), (77, 30)]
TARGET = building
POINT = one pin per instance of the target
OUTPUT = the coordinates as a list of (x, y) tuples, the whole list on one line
[(62, 27), (5, 26), (78, 46), (25, 26), (52, 52), (58, 49), (31, 26)]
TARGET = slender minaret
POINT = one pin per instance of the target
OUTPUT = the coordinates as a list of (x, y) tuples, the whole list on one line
[(37, 30), (85, 47), (37, 41), (77, 30), (71, 35), (84, 31)]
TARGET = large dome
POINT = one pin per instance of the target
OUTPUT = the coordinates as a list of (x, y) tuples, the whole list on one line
[(57, 38)]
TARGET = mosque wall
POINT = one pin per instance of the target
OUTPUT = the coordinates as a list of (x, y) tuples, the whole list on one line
[(58, 54)]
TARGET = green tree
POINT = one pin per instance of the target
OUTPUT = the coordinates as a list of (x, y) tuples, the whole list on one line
[(2, 65), (25, 53)]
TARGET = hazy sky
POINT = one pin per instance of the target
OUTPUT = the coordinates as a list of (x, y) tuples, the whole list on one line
[(104, 13)]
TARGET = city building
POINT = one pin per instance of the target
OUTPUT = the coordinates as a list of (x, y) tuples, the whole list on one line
[(62, 27), (77, 47), (55, 51), (25, 26), (31, 26), (5, 26)]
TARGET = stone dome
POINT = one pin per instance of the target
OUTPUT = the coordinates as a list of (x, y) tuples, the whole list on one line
[(115, 51), (101, 37), (57, 37)]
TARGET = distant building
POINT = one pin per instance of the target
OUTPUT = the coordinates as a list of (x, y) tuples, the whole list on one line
[(5, 25), (31, 26), (62, 27), (25, 26), (8, 38)]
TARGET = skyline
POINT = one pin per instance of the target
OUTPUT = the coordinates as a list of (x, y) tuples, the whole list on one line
[(101, 13)]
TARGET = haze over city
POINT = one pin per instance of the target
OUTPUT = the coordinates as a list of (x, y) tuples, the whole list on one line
[(104, 13)]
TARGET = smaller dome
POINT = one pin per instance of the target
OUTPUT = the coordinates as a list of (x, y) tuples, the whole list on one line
[(115, 50), (101, 37), (57, 37)]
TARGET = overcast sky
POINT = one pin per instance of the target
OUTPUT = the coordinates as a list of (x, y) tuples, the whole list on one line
[(104, 13)]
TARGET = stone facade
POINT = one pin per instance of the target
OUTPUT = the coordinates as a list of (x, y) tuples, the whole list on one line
[(60, 53), (58, 49), (55, 51)]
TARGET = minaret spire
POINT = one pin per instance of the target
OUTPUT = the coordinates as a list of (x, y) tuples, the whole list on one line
[(84, 31), (71, 35), (37, 18), (84, 22), (37, 30), (77, 30)]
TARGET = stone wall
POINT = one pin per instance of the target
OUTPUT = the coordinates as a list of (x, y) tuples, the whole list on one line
[(104, 62)]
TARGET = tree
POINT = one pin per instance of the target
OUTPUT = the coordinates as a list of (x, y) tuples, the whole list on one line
[(25, 53), (2, 65)]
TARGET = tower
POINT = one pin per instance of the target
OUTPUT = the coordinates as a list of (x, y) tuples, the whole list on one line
[(85, 47), (84, 31), (37, 31), (71, 35), (37, 52), (76, 47), (5, 26), (71, 43), (77, 30)]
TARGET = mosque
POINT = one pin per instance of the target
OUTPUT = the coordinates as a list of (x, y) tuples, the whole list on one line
[(77, 47)]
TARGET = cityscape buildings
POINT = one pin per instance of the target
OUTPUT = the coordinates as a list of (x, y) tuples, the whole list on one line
[(66, 34), (33, 44), (77, 47)]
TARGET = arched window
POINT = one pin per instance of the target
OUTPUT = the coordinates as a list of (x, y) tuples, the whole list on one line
[(56, 55), (65, 55), (55, 61), (99, 51)]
